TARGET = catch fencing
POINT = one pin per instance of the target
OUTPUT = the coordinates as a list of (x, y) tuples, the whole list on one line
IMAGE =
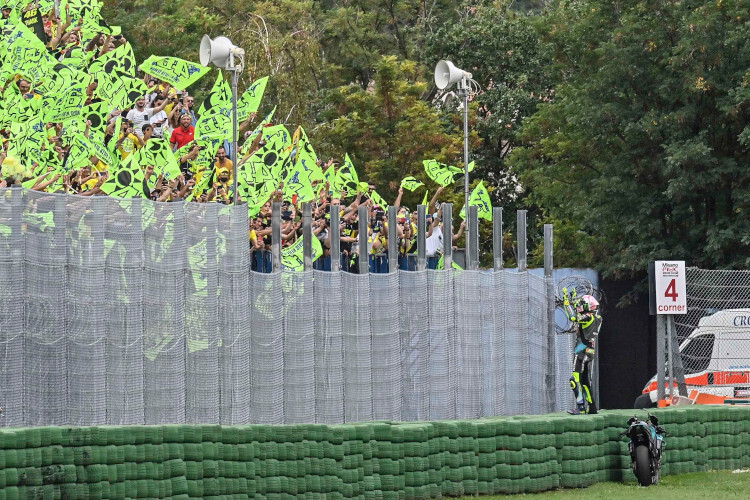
[(127, 311), (719, 349)]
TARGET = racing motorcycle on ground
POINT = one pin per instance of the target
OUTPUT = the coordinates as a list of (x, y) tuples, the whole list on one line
[(646, 446)]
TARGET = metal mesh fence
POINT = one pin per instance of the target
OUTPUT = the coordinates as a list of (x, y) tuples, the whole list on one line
[(134, 312), (711, 343)]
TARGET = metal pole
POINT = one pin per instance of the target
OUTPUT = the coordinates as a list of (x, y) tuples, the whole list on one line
[(551, 361), (679, 369), (234, 130), (660, 356), (670, 358), (447, 235), (497, 237), (473, 225), (364, 254), (465, 95), (521, 234), (276, 235), (392, 240), (307, 235), (335, 233), (548, 250), (421, 242), (464, 92)]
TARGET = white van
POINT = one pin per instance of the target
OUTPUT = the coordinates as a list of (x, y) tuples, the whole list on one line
[(716, 359)]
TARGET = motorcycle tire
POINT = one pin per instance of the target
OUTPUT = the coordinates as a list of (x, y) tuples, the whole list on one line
[(643, 465), (643, 402)]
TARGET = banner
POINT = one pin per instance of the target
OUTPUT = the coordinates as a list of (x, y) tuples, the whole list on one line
[(481, 198), (250, 100), (121, 59), (250, 138), (411, 184), (178, 72), (442, 174), (293, 257), (79, 155), (346, 177), (65, 106), (59, 77), (212, 125), (297, 183), (120, 89), (126, 181), (219, 100), (32, 19), (97, 114), (157, 152)]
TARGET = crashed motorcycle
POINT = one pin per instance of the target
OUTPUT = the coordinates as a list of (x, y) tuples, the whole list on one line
[(646, 446)]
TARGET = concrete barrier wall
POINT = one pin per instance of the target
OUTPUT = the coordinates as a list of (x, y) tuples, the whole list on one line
[(372, 460)]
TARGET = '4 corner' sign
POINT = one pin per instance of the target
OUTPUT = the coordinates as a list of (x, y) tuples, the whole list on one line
[(670, 287)]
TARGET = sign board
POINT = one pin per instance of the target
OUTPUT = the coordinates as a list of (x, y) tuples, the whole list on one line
[(669, 292)]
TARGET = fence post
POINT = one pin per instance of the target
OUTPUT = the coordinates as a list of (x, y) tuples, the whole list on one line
[(421, 240), (661, 328), (679, 369), (364, 254), (473, 224), (447, 235), (335, 233), (307, 235), (521, 235), (392, 240), (497, 237), (276, 236), (551, 372)]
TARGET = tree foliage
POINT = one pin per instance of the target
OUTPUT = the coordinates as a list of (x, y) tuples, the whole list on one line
[(623, 123), (642, 153)]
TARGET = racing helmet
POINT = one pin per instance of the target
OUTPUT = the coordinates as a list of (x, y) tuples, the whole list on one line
[(587, 303)]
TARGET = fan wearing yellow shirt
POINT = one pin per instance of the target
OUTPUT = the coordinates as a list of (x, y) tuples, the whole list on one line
[(127, 142)]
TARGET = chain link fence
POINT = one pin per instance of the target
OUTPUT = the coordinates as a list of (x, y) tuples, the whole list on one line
[(120, 311), (710, 345)]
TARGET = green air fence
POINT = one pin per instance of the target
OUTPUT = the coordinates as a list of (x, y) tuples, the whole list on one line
[(368, 460)]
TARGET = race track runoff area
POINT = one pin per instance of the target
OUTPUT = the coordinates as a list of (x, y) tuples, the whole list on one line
[(367, 460)]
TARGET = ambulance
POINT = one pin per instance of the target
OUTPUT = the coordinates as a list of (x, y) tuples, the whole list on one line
[(716, 359)]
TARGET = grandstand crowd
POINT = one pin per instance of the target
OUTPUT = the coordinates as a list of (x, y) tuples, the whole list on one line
[(166, 113)]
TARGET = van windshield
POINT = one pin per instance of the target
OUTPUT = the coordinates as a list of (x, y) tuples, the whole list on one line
[(696, 355)]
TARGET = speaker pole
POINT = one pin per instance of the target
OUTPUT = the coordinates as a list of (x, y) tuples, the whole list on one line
[(464, 90), (234, 129)]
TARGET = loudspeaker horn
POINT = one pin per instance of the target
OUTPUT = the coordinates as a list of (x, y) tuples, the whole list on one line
[(216, 51), (446, 74)]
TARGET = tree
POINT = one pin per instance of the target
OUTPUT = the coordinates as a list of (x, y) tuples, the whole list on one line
[(389, 130), (642, 153)]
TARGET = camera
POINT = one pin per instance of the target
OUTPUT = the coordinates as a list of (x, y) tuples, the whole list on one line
[(286, 215)]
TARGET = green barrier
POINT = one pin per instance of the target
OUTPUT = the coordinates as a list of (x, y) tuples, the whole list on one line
[(368, 460)]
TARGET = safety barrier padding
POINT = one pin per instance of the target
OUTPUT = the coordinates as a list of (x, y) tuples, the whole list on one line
[(368, 460)]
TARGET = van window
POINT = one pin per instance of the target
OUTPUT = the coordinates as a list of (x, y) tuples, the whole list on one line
[(696, 355)]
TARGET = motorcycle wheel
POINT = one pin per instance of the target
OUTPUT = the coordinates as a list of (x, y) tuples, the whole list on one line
[(643, 465), (642, 402)]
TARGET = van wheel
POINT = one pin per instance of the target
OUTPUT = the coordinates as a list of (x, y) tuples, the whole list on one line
[(643, 401)]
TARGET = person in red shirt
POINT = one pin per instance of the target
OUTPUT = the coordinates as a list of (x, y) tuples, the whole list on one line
[(184, 133)]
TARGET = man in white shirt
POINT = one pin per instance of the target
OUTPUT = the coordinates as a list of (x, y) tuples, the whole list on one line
[(159, 116), (140, 115)]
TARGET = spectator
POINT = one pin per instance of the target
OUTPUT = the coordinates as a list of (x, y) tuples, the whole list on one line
[(187, 107), (127, 142), (184, 134), (158, 116), (141, 115)]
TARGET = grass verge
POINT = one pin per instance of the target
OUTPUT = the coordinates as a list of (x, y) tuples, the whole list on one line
[(717, 485)]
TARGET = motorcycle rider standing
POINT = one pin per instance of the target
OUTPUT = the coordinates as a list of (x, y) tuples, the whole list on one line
[(584, 312)]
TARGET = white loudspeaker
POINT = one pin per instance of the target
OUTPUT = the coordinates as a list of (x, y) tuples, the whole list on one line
[(446, 74), (216, 51)]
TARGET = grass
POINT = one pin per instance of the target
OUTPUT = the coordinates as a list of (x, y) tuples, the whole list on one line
[(716, 485)]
